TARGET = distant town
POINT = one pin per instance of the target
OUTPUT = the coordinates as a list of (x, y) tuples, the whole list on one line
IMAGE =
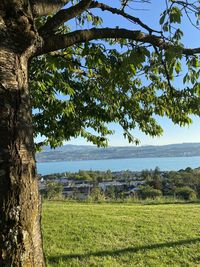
[(98, 185)]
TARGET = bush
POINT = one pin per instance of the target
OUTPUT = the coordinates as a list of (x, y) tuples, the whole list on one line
[(110, 193), (96, 195), (53, 190), (148, 192), (185, 193)]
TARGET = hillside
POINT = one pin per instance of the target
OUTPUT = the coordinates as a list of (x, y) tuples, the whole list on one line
[(73, 152)]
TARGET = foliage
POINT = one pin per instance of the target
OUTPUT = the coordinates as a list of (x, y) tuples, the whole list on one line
[(121, 235), (96, 195), (148, 192), (154, 179), (86, 175), (80, 89), (184, 178), (186, 193), (53, 190), (111, 193)]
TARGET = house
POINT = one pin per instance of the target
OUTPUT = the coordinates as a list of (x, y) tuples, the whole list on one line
[(81, 189)]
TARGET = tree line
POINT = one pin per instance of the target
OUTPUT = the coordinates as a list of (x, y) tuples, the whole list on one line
[(183, 184)]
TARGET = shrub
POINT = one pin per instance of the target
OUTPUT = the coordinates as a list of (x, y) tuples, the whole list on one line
[(53, 190), (96, 195), (110, 193), (186, 193), (148, 192)]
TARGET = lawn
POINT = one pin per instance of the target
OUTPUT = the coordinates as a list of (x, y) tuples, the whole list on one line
[(121, 234)]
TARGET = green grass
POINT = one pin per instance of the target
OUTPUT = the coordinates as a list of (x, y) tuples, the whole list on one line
[(121, 234)]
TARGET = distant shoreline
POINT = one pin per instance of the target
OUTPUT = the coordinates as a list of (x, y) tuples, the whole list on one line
[(145, 157), (82, 153)]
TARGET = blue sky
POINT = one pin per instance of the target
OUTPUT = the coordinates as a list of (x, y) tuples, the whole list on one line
[(172, 133)]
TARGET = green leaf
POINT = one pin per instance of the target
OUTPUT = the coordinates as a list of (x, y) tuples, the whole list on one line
[(162, 17), (175, 15)]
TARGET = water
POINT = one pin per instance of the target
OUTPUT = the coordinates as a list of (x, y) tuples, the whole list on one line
[(134, 164)]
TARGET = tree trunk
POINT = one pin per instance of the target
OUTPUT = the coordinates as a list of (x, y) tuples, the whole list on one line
[(20, 233)]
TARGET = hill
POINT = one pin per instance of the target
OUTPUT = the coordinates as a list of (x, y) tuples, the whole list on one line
[(73, 152)]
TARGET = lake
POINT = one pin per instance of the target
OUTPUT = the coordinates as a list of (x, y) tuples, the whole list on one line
[(133, 164)]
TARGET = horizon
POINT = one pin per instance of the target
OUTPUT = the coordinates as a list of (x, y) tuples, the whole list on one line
[(70, 144)]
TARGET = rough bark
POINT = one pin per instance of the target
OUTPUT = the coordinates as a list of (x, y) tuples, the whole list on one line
[(65, 15), (20, 234), (46, 7)]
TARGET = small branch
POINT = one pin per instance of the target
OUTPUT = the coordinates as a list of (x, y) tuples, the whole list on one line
[(166, 70), (185, 4), (190, 20), (64, 15), (136, 20)]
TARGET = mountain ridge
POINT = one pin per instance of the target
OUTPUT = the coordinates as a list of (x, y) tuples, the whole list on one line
[(71, 152)]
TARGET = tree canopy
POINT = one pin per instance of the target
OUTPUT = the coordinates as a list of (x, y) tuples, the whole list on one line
[(84, 75)]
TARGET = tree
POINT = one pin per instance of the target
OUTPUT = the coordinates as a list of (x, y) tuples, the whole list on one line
[(101, 82), (53, 190), (156, 181), (96, 195)]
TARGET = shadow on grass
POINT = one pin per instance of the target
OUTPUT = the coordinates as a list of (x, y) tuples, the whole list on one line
[(120, 252)]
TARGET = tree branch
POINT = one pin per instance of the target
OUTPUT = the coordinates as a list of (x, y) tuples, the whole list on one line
[(188, 5), (103, 7), (46, 7), (56, 42), (63, 16)]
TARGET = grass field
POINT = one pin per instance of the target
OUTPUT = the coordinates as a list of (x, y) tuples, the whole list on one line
[(121, 234)]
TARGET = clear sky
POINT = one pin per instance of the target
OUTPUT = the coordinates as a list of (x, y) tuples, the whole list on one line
[(172, 133)]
